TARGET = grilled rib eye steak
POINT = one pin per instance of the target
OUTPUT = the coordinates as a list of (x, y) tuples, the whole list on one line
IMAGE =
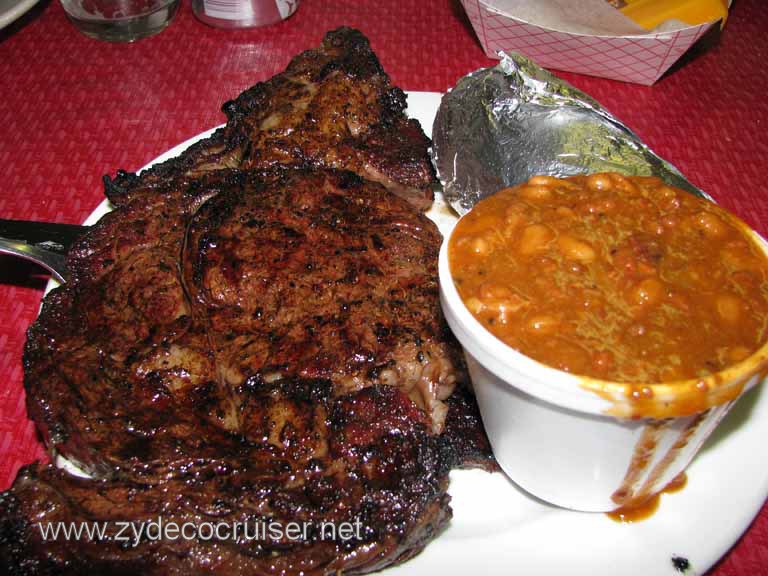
[(251, 337)]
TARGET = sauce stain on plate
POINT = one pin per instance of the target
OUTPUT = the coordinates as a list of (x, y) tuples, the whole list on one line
[(637, 513)]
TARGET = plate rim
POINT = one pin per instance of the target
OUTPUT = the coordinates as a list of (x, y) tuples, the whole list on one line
[(15, 11)]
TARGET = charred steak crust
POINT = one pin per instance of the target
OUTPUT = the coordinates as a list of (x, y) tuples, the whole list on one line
[(254, 335)]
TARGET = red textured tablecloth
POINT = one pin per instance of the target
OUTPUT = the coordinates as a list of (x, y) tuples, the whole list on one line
[(73, 109)]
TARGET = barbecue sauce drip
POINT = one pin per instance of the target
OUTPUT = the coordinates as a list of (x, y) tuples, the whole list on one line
[(638, 512)]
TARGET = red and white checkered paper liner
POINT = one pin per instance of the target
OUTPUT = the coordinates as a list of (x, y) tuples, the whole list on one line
[(639, 59)]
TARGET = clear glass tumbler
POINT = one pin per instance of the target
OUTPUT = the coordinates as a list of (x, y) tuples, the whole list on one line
[(120, 20)]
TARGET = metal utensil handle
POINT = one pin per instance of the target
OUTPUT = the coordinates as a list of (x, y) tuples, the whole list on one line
[(50, 236), (55, 263)]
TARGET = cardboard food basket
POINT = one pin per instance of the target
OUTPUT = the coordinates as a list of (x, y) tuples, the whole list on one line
[(584, 36)]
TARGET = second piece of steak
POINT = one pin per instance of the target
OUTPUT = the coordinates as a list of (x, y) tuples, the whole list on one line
[(332, 108)]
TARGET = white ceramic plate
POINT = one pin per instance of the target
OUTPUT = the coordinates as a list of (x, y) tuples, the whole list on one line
[(10, 10), (498, 530)]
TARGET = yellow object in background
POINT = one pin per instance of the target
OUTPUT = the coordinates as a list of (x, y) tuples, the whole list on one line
[(651, 13)]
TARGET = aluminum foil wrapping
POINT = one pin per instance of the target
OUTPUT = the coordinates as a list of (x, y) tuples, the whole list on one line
[(499, 126)]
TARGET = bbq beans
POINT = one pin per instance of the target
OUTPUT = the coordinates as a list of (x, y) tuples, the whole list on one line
[(614, 277)]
